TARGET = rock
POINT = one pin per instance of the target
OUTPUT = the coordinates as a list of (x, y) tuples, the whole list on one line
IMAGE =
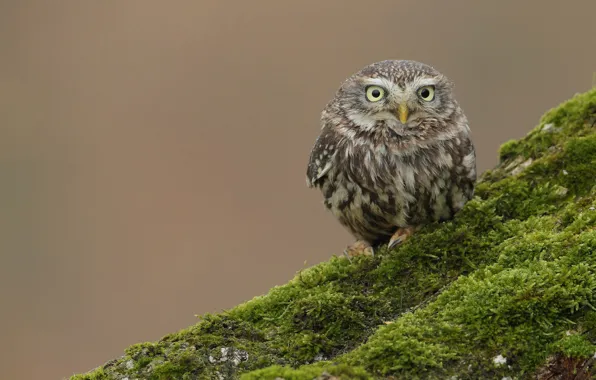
[(499, 360), (522, 166), (550, 128)]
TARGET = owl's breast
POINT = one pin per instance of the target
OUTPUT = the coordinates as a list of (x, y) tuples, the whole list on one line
[(374, 191)]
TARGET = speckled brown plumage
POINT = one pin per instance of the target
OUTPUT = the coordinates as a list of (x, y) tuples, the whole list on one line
[(388, 166)]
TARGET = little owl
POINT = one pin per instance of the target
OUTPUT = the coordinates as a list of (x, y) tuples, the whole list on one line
[(394, 153)]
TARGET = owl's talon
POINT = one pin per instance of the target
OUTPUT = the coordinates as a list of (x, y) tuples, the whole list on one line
[(394, 242), (401, 235), (359, 248)]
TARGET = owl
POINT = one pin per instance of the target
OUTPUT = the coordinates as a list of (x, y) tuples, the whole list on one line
[(394, 153)]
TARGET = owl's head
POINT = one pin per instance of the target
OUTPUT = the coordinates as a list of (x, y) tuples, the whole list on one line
[(406, 96)]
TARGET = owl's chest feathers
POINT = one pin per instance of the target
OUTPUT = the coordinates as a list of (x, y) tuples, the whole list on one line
[(382, 166), (372, 188)]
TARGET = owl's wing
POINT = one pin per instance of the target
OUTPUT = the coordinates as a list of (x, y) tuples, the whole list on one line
[(321, 157), (467, 178)]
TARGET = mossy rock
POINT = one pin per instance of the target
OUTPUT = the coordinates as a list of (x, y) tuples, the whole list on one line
[(505, 290)]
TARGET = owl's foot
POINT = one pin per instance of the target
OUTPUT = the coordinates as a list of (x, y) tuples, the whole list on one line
[(401, 235), (359, 247)]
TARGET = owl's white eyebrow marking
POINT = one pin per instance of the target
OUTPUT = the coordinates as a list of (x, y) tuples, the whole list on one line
[(422, 81), (385, 83)]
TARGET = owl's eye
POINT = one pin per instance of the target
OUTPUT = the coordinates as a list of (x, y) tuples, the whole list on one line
[(374, 93), (426, 93)]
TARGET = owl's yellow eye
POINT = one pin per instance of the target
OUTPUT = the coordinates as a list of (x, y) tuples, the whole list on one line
[(426, 93), (374, 93)]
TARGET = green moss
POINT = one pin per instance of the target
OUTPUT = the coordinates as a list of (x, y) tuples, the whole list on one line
[(509, 149), (510, 275), (514, 308), (574, 167), (309, 372), (98, 374), (575, 346)]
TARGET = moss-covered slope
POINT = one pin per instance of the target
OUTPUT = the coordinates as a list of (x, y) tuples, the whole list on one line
[(506, 289)]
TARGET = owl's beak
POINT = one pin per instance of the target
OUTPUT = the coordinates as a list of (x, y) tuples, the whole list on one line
[(402, 113)]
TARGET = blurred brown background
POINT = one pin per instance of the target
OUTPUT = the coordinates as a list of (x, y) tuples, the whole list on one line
[(153, 153)]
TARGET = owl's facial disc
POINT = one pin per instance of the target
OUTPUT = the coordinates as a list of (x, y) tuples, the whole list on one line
[(400, 106)]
